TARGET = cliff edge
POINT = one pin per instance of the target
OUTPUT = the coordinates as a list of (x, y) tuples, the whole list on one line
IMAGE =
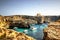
[(52, 32)]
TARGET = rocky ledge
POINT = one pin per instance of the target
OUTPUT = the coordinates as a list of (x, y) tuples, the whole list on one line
[(9, 34), (52, 32), (16, 21)]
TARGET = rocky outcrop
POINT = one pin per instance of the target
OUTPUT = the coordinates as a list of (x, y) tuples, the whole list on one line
[(13, 21), (52, 32), (3, 22), (9, 34)]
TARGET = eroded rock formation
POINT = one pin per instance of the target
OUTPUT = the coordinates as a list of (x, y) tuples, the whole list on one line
[(3, 22), (9, 34), (52, 32), (16, 21)]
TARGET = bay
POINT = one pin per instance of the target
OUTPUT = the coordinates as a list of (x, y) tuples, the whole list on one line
[(37, 33)]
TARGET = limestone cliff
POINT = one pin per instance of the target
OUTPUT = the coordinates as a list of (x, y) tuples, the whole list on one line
[(9, 34), (52, 32), (3, 22)]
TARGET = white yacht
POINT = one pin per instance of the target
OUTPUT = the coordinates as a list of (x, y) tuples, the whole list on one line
[(33, 28)]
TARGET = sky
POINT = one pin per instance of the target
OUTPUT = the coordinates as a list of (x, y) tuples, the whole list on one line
[(29, 7)]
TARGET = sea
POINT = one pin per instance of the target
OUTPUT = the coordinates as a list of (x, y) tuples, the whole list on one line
[(35, 30)]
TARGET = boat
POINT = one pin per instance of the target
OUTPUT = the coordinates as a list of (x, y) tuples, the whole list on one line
[(33, 28)]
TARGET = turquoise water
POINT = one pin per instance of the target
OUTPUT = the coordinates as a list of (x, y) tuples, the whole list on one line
[(20, 29), (37, 34)]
